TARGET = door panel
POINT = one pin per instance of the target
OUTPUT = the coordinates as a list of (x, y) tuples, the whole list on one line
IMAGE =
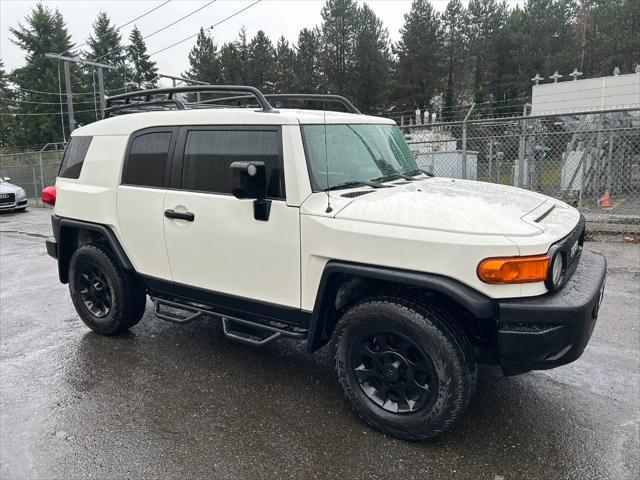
[(141, 220), (224, 249)]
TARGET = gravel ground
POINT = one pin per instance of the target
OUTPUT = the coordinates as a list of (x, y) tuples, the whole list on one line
[(168, 401)]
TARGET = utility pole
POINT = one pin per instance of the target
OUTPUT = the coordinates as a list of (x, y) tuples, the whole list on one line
[(181, 79), (67, 82)]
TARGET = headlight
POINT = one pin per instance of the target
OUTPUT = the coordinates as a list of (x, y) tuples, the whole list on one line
[(21, 192), (556, 271)]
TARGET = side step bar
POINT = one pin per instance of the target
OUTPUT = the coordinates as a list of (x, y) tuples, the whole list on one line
[(238, 334)]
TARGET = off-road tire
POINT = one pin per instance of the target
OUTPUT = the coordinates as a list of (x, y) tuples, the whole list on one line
[(128, 296), (442, 341)]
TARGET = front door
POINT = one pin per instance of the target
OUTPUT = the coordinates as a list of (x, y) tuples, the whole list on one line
[(214, 244)]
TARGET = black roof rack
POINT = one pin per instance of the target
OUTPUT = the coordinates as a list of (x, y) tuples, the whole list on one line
[(148, 99), (311, 97), (143, 99)]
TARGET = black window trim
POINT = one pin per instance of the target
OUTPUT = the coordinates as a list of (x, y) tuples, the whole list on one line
[(66, 148), (178, 155), (173, 129)]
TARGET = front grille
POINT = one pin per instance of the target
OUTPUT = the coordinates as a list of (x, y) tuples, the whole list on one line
[(7, 198)]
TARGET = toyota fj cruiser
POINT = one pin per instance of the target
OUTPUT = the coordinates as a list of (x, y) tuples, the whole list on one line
[(318, 225)]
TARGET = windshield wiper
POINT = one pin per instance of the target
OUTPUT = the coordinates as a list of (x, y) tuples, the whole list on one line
[(395, 176), (356, 183)]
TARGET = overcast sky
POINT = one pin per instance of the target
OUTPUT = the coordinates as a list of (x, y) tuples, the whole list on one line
[(275, 17)]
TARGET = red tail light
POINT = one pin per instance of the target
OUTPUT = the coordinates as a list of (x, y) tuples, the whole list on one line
[(48, 195)]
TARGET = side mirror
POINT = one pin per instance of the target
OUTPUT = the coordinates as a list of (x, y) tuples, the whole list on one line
[(6, 179), (249, 180)]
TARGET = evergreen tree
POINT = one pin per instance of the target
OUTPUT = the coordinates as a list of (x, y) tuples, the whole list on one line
[(339, 24), (607, 34), (419, 71), (372, 61), (486, 22), (44, 31), (455, 25), (308, 73), (105, 46), (231, 68), (261, 63), (284, 68), (203, 60), (144, 73), (7, 106)]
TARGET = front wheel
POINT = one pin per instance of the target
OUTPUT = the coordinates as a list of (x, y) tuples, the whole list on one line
[(405, 367), (108, 299)]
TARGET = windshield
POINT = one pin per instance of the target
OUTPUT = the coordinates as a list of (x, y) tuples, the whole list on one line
[(353, 153)]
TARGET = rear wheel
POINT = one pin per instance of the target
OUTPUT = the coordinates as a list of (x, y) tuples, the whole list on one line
[(405, 367), (108, 299)]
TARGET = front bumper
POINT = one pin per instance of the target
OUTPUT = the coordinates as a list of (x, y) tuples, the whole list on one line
[(551, 330)]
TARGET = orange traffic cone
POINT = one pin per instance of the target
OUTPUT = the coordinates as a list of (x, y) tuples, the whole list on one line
[(606, 200)]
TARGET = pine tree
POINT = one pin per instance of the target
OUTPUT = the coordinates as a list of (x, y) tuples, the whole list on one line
[(419, 71), (284, 68), (144, 73), (203, 60), (308, 73), (7, 106), (372, 61), (44, 31), (261, 64), (454, 22), (105, 46), (230, 68), (339, 24), (486, 22)]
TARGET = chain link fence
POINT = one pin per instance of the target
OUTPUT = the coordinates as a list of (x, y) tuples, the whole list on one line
[(32, 170), (589, 160)]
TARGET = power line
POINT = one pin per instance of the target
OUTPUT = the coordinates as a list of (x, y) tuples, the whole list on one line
[(206, 29), (161, 29), (121, 26)]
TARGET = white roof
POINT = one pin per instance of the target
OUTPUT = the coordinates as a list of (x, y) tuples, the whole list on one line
[(126, 124)]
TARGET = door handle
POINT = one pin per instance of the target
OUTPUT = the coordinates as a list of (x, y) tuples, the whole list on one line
[(188, 216)]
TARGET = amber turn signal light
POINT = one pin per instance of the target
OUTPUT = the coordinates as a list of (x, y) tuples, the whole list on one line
[(514, 269)]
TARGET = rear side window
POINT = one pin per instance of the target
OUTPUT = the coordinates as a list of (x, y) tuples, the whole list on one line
[(209, 153), (146, 164), (73, 158)]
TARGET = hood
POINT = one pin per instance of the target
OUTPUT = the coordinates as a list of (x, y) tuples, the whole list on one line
[(6, 187), (449, 205)]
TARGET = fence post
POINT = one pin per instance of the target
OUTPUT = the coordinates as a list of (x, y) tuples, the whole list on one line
[(41, 173), (464, 142), (35, 185)]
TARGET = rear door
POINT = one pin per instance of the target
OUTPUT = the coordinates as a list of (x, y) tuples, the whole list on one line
[(145, 178), (223, 249)]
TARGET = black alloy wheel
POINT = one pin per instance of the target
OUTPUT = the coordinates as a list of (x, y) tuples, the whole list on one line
[(95, 291), (394, 372)]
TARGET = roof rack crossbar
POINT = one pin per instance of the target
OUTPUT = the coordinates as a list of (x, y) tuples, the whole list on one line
[(115, 100), (142, 105), (312, 97)]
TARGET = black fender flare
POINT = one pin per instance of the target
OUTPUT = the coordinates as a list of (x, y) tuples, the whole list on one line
[(64, 228), (475, 302)]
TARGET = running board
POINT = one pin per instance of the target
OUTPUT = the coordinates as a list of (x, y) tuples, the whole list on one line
[(249, 338)]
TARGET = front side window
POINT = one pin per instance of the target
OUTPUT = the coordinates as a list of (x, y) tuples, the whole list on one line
[(209, 153), (73, 158), (349, 153), (146, 164)]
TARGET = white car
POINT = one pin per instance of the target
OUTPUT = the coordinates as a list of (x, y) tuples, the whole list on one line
[(12, 197), (319, 226)]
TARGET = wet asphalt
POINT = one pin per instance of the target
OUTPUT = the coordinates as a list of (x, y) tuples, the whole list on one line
[(169, 401)]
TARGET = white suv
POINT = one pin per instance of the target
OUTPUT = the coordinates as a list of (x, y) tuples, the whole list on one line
[(319, 226)]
